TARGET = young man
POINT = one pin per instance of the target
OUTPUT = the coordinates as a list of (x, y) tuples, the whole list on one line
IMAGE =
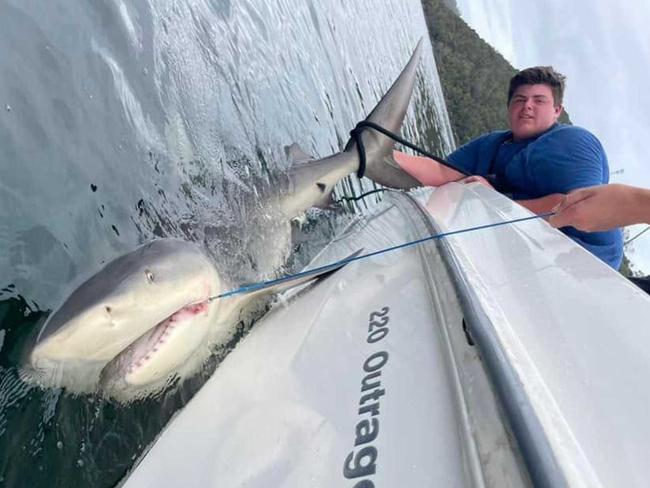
[(536, 162)]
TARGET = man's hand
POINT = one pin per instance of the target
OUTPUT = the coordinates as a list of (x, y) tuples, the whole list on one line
[(475, 179), (536, 205), (604, 207)]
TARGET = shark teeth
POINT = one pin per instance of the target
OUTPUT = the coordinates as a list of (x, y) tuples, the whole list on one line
[(161, 332)]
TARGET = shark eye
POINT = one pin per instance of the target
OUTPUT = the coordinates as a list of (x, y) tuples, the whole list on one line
[(149, 275), (108, 309)]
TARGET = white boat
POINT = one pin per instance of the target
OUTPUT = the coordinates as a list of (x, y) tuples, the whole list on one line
[(370, 377)]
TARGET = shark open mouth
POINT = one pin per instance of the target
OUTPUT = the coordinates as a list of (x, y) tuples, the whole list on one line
[(161, 332), (140, 352)]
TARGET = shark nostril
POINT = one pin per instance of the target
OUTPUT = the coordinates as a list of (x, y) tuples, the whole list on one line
[(149, 276)]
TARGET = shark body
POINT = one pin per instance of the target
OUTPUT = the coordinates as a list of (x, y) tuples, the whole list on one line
[(146, 317)]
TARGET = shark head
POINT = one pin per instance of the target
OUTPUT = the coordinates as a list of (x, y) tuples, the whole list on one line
[(149, 292), (145, 319)]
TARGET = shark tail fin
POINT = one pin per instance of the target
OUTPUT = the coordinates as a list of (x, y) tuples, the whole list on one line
[(389, 113)]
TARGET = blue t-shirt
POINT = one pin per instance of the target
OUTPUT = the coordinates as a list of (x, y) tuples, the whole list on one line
[(562, 159)]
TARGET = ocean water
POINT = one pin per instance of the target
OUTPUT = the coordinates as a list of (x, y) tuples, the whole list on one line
[(125, 121)]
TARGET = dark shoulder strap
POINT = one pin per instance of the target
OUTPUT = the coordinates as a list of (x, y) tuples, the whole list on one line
[(499, 183), (505, 137)]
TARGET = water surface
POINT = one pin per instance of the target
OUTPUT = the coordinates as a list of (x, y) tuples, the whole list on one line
[(121, 122)]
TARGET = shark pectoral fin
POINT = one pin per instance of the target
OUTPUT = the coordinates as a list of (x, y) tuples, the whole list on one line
[(296, 154), (325, 271), (282, 284)]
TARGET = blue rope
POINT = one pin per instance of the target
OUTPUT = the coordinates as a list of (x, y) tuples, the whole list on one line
[(337, 264)]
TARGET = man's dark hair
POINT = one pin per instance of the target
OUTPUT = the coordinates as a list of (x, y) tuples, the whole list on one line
[(539, 75)]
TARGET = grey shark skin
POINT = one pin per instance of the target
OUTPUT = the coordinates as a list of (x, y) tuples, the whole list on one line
[(144, 319), (111, 310)]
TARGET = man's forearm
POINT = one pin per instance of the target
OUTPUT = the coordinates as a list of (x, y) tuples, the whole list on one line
[(425, 170), (542, 204)]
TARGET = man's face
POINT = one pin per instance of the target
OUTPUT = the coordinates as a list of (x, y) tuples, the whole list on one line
[(532, 111)]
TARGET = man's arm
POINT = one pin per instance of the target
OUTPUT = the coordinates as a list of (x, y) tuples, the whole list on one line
[(566, 160), (426, 170), (472, 157), (604, 207), (431, 173)]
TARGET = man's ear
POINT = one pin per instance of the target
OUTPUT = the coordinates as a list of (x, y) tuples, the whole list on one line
[(558, 110)]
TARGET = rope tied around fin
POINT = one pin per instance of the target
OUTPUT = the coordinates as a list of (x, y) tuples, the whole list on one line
[(355, 134)]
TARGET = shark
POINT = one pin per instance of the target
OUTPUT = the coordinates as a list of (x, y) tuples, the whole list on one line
[(150, 316)]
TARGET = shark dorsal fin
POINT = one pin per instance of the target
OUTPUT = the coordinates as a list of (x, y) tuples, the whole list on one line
[(296, 155)]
